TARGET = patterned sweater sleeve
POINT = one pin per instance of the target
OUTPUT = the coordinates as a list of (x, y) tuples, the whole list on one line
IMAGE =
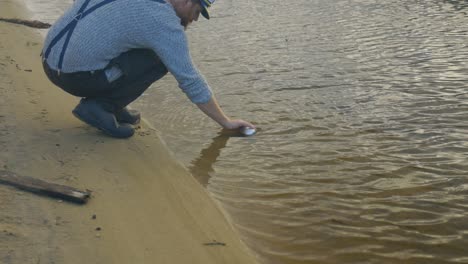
[(162, 32)]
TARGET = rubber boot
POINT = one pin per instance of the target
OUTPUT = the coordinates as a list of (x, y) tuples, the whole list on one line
[(128, 116), (94, 114)]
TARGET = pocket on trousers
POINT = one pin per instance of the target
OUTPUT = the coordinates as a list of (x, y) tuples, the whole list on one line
[(113, 73)]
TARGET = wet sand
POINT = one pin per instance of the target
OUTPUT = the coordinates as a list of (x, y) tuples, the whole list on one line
[(145, 206)]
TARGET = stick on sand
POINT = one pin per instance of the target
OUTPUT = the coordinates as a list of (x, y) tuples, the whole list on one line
[(44, 188), (29, 23)]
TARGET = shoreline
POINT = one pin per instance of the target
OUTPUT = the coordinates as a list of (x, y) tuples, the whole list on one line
[(145, 206)]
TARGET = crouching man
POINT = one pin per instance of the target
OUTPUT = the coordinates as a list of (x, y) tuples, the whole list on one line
[(108, 52)]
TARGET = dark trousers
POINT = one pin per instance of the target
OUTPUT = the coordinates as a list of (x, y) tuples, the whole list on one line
[(140, 67)]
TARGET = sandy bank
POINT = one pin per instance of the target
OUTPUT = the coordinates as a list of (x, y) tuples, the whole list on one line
[(146, 208)]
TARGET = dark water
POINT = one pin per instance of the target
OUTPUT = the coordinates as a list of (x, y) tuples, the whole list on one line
[(362, 155)]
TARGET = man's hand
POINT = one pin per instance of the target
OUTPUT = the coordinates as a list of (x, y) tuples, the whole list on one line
[(213, 110), (237, 124)]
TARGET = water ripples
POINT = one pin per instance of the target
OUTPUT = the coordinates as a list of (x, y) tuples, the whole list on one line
[(364, 145)]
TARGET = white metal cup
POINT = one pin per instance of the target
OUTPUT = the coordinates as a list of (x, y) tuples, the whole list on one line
[(248, 131)]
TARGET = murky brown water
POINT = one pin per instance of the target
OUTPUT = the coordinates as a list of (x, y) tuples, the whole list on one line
[(363, 106)]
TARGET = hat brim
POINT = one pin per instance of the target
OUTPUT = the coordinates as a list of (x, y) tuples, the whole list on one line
[(205, 13)]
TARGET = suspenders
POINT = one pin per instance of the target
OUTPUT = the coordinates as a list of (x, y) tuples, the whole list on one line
[(70, 27)]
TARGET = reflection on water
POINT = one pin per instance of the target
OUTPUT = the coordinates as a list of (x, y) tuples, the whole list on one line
[(202, 167), (363, 153)]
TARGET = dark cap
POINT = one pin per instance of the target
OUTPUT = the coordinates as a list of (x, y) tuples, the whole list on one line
[(206, 4)]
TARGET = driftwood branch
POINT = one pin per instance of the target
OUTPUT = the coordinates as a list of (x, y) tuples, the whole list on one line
[(44, 188), (29, 23)]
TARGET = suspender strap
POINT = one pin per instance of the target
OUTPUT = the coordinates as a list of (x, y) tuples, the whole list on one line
[(65, 45), (96, 6), (66, 29)]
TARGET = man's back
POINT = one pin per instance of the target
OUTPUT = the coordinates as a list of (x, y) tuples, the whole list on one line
[(108, 31)]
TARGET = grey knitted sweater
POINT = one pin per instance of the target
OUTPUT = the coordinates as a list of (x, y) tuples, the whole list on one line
[(123, 25)]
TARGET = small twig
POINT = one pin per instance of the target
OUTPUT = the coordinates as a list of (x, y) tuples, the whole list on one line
[(214, 243), (29, 23)]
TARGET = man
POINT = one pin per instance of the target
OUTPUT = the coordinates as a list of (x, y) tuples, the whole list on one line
[(110, 51)]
